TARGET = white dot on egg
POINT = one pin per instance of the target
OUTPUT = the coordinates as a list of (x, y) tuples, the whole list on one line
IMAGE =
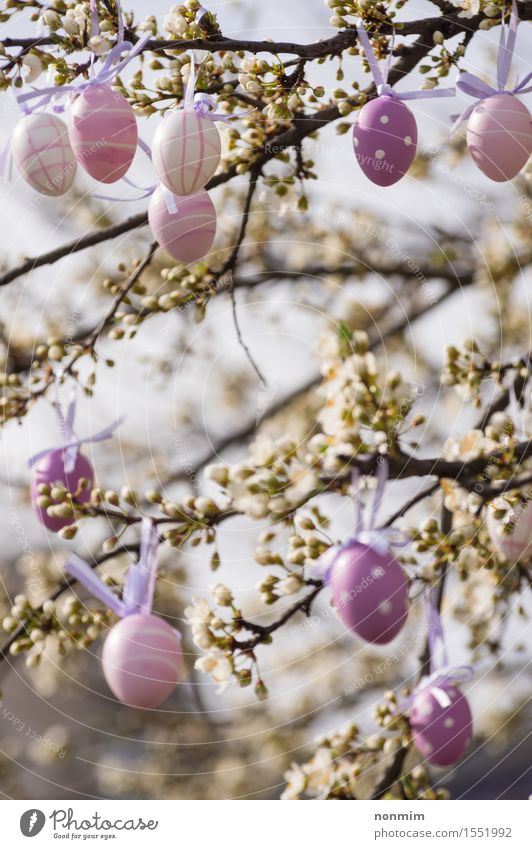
[(384, 119), (356, 142), (428, 749), (425, 708), (379, 154), (385, 607), (449, 722), (408, 140)]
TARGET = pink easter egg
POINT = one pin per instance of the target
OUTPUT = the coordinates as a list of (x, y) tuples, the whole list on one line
[(385, 139), (441, 723), (370, 592), (42, 153), (499, 136), (188, 233), (103, 133), (186, 151), (50, 469), (142, 660), (516, 546)]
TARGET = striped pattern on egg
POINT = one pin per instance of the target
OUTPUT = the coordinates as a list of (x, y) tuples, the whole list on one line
[(188, 233), (441, 723), (186, 151), (43, 155), (142, 660), (103, 133), (385, 140)]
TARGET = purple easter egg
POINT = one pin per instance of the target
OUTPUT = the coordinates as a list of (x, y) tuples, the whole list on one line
[(103, 133), (142, 660), (516, 546), (370, 592), (499, 136), (188, 233), (441, 723), (385, 139), (50, 469)]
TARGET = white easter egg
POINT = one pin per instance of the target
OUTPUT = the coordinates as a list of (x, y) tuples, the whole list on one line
[(186, 151), (42, 153)]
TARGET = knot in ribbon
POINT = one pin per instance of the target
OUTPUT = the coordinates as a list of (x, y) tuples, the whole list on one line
[(139, 586), (479, 89), (71, 444)]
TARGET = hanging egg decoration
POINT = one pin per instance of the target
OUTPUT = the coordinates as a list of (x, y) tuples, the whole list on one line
[(441, 723), (184, 226), (142, 660), (50, 470), (499, 136), (186, 151), (512, 536), (43, 155), (385, 140), (103, 133), (370, 591)]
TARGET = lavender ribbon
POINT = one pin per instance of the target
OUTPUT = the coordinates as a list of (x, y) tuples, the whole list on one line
[(480, 90), (441, 672), (378, 538), (70, 442), (202, 103), (381, 78), (137, 596)]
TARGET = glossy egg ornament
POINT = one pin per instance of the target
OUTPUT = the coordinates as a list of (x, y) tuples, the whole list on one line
[(50, 469), (42, 153), (499, 136), (385, 139), (512, 536), (441, 723), (186, 151), (103, 132), (142, 660), (370, 591), (183, 226)]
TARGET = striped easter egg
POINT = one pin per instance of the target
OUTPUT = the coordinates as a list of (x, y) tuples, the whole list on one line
[(142, 660), (188, 233), (186, 151), (103, 133), (42, 153)]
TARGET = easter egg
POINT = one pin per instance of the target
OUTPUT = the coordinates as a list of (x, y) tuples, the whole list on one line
[(103, 133), (188, 233), (512, 536), (50, 469), (186, 151), (385, 139), (499, 136), (370, 592), (441, 723), (43, 155), (142, 660)]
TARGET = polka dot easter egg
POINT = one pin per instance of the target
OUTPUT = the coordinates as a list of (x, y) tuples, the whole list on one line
[(49, 470), (499, 136), (512, 536), (188, 232), (103, 133), (186, 151), (43, 155), (142, 660), (385, 140), (441, 723), (370, 592)]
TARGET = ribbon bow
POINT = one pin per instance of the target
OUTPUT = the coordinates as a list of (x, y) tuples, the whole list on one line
[(139, 587), (480, 90), (381, 77), (378, 538), (70, 442), (202, 103), (441, 672)]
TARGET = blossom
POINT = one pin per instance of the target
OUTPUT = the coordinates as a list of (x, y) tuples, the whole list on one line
[(174, 22), (289, 585), (198, 612)]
